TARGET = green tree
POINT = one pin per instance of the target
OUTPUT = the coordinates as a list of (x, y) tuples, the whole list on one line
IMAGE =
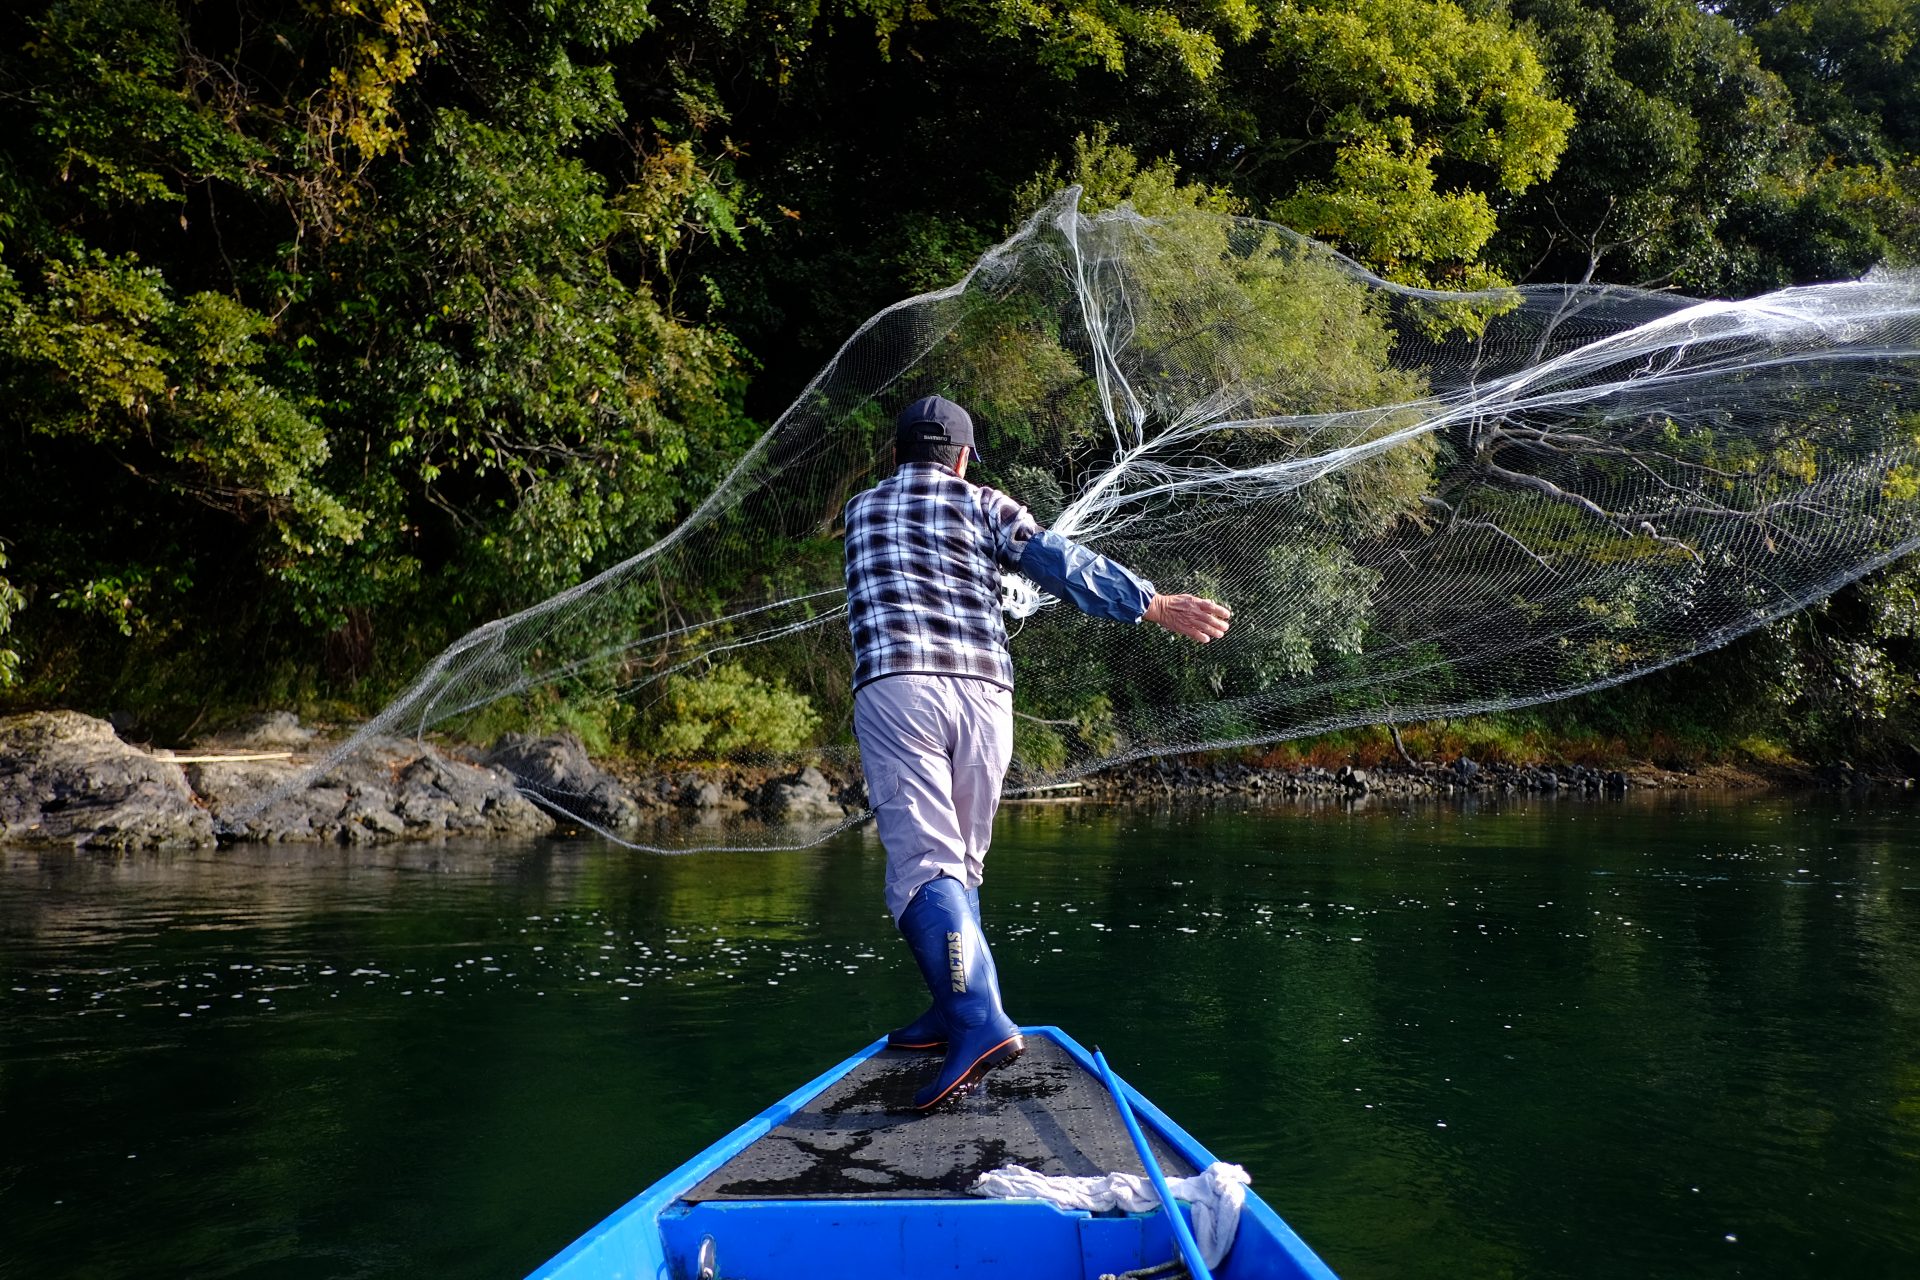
[(332, 330), (1850, 67), (1692, 165), (326, 332), (888, 144), (1432, 112)]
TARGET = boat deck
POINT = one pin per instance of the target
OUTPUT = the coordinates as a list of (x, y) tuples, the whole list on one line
[(859, 1140)]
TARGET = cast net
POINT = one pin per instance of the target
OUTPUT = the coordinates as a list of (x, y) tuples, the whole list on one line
[(1418, 505)]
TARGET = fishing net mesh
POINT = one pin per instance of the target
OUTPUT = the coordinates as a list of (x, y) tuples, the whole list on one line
[(1417, 504)]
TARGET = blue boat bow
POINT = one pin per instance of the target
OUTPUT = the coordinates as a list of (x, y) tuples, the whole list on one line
[(835, 1181)]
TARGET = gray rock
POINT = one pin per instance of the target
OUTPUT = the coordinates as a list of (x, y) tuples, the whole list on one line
[(711, 795), (394, 789), (806, 794), (368, 819), (268, 731), (557, 772), (233, 788), (67, 779)]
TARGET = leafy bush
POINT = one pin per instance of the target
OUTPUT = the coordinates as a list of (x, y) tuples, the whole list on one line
[(729, 711), (11, 602), (1038, 747)]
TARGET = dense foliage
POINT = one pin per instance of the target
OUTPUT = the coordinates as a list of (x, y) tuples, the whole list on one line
[(328, 330)]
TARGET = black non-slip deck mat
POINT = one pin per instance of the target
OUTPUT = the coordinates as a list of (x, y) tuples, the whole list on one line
[(857, 1140)]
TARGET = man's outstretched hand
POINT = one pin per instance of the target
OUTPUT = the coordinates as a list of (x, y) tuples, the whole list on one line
[(1195, 617)]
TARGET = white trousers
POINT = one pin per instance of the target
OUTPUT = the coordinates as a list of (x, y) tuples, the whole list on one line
[(935, 750)]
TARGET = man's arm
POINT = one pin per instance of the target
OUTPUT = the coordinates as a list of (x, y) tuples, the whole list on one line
[(1103, 588), (1090, 582), (1085, 579)]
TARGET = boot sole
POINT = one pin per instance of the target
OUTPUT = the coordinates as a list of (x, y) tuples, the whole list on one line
[(1006, 1051), (916, 1044)]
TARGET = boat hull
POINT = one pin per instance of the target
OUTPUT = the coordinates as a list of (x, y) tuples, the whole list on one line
[(696, 1218)]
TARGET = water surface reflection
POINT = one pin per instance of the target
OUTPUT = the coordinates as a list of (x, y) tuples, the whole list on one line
[(1672, 1036)]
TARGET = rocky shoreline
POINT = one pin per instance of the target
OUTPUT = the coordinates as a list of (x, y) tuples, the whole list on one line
[(69, 780), (1460, 777)]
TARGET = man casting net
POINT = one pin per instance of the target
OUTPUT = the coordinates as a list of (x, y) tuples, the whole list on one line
[(1418, 504)]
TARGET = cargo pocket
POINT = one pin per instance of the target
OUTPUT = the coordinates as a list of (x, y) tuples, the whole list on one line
[(883, 781)]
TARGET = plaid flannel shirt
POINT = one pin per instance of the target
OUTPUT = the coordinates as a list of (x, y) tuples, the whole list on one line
[(925, 550)]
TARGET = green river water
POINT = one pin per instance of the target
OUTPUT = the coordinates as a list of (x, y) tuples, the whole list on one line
[(1664, 1036)]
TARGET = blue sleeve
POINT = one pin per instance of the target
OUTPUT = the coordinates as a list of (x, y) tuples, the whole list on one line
[(1085, 579)]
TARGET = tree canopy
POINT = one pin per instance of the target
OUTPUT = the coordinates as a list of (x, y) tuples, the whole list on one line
[(330, 330)]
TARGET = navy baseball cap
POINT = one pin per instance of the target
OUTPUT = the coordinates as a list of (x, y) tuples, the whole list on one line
[(935, 420)]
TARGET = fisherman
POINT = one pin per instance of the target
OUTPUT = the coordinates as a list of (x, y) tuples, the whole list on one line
[(933, 703)]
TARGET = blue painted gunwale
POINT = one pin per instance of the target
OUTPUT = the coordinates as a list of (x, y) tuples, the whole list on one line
[(631, 1243)]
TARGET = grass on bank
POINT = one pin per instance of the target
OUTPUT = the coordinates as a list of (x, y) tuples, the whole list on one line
[(1519, 739)]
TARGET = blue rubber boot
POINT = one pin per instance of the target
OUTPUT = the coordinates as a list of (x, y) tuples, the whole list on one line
[(958, 969), (929, 1030)]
